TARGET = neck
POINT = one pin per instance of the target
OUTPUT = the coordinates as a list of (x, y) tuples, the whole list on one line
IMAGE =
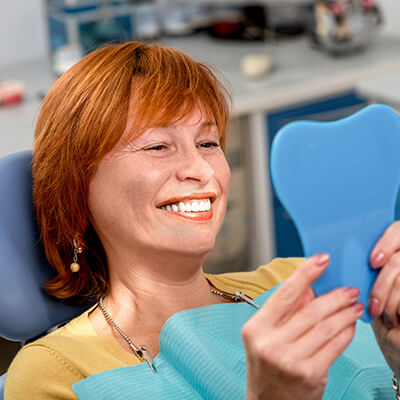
[(143, 296), (150, 299)]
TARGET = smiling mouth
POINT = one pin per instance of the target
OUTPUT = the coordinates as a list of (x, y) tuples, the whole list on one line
[(193, 206), (193, 209)]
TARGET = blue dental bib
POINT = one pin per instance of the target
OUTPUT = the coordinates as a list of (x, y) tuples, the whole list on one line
[(202, 358)]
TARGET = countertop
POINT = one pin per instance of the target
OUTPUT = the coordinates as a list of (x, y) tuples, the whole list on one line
[(382, 88)]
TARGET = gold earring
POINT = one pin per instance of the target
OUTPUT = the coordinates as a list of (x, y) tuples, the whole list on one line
[(75, 267)]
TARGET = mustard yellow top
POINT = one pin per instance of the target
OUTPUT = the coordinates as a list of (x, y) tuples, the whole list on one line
[(47, 368)]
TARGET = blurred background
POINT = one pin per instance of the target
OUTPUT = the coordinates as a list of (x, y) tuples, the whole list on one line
[(282, 60)]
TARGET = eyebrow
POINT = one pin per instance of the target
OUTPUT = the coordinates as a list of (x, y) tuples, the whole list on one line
[(208, 123), (203, 125)]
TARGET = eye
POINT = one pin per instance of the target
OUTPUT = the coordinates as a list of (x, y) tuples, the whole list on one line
[(157, 147), (209, 145)]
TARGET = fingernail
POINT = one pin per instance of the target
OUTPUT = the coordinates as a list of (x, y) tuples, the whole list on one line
[(357, 307), (388, 322), (352, 292), (321, 259), (377, 259), (373, 307)]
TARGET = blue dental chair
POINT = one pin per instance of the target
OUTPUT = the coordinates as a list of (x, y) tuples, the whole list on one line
[(26, 311)]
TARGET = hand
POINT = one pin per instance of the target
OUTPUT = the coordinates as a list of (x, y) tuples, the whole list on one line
[(295, 337), (384, 303)]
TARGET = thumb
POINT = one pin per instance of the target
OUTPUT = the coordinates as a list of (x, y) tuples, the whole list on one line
[(307, 297), (296, 288)]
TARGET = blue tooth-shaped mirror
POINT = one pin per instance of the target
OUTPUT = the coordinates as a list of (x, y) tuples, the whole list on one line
[(339, 182)]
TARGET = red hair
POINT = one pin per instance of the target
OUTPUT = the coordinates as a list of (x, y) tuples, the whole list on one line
[(82, 118)]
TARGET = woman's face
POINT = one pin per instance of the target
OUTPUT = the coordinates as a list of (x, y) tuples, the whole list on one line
[(165, 191)]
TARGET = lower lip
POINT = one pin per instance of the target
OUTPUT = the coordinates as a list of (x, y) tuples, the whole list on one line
[(197, 216)]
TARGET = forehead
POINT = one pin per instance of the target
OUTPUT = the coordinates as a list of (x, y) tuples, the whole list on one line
[(197, 119)]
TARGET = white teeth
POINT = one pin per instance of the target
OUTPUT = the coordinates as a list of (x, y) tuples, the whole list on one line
[(190, 206), (181, 207)]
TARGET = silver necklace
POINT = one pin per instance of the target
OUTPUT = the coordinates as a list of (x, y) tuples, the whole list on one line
[(142, 351)]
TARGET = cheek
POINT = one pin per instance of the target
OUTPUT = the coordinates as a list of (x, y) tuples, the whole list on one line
[(107, 194), (223, 175), (100, 202), (118, 195)]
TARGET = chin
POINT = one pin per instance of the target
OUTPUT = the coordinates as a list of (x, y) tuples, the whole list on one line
[(197, 248)]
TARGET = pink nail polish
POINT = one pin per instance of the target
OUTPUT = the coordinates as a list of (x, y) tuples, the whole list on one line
[(377, 259), (321, 259), (374, 307), (352, 292), (357, 307)]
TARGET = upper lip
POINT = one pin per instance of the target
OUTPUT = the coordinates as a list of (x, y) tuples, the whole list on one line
[(194, 196)]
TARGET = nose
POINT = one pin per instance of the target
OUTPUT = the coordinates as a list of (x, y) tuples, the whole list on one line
[(192, 166)]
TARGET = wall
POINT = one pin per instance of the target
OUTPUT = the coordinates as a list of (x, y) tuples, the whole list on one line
[(22, 31), (391, 9)]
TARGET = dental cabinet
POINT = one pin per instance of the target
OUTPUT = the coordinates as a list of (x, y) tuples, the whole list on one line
[(303, 83)]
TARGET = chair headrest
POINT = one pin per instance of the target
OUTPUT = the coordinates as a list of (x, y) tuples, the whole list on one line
[(26, 311)]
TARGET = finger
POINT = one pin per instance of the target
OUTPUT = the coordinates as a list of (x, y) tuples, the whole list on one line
[(287, 298), (327, 355), (383, 285), (308, 296), (392, 307), (386, 246), (325, 331), (314, 313)]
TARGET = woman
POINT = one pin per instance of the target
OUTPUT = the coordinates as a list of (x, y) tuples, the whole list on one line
[(130, 190)]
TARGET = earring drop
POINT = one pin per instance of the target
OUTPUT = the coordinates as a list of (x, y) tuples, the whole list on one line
[(75, 267)]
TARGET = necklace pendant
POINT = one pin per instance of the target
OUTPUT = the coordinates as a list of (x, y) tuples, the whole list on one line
[(147, 357), (238, 293), (142, 351)]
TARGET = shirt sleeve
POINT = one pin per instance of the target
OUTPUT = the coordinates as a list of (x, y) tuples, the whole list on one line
[(39, 372)]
